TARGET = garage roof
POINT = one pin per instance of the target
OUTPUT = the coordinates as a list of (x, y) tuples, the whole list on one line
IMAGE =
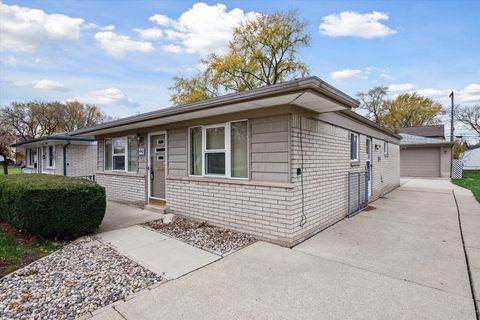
[(413, 140)]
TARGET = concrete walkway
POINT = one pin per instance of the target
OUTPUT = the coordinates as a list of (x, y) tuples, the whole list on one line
[(157, 252), (403, 260), (120, 216)]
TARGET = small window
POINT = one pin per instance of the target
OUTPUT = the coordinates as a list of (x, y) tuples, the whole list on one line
[(122, 154), (353, 146), (385, 148)]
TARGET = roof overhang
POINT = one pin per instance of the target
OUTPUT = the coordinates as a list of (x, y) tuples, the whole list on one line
[(310, 93), (422, 145), (54, 140)]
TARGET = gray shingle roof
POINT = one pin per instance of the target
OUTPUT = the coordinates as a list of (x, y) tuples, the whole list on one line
[(426, 131)]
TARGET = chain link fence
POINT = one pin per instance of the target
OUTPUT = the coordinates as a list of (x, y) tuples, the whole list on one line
[(357, 192)]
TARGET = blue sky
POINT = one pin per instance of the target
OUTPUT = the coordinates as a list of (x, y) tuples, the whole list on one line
[(122, 55)]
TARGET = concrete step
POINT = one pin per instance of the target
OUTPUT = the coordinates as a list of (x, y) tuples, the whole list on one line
[(154, 208)]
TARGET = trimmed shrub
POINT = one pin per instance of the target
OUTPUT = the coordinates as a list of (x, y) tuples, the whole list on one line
[(51, 206)]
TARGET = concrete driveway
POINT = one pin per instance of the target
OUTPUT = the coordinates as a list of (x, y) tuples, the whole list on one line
[(403, 260)]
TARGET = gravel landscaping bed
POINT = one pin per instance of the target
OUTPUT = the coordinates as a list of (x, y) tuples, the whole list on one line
[(203, 235), (83, 276)]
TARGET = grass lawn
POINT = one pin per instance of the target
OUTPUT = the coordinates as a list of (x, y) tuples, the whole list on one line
[(18, 249), (11, 170), (470, 181)]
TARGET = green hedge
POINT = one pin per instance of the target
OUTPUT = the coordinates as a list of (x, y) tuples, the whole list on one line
[(51, 206)]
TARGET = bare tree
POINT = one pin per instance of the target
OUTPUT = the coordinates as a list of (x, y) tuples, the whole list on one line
[(36, 119), (373, 102), (469, 116)]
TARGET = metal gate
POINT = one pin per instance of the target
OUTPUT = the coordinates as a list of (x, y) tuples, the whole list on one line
[(357, 192)]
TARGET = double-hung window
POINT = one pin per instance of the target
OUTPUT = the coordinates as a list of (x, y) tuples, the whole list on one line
[(215, 151), (385, 148), (219, 150), (121, 154), (354, 146)]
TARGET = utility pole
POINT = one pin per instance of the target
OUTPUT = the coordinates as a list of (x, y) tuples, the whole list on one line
[(451, 119), (451, 135)]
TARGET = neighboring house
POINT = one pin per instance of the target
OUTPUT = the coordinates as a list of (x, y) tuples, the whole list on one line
[(60, 154), (424, 157), (432, 131), (471, 159), (272, 161)]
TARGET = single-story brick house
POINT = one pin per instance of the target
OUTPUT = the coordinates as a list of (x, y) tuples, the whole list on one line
[(272, 161), (60, 154)]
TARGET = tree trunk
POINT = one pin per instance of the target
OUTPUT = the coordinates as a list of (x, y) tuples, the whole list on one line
[(5, 166)]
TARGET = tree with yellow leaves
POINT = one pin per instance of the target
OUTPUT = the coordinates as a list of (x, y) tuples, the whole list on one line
[(262, 52)]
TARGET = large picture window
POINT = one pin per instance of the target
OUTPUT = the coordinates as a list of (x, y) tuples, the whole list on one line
[(219, 150), (354, 146), (121, 154)]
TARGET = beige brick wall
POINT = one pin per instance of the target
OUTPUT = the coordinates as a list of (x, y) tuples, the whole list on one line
[(123, 187), (264, 211), (326, 150), (81, 160)]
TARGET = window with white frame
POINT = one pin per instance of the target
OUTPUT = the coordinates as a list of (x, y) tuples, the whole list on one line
[(354, 146), (219, 150), (50, 154), (385, 148), (121, 154)]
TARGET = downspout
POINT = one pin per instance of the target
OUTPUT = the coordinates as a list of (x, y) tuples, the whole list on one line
[(65, 158)]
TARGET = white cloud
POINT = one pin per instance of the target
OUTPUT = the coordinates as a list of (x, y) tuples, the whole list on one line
[(401, 87), (162, 20), (46, 84), (24, 29), (353, 24), (116, 45), (172, 48), (470, 94), (203, 29), (150, 33), (11, 61), (110, 27), (346, 74), (107, 97)]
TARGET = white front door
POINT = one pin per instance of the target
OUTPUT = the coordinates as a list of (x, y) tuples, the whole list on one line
[(368, 165)]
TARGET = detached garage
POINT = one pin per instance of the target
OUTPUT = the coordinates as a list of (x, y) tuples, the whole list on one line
[(424, 157)]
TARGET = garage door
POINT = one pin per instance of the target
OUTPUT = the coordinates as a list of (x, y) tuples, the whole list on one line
[(420, 162)]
